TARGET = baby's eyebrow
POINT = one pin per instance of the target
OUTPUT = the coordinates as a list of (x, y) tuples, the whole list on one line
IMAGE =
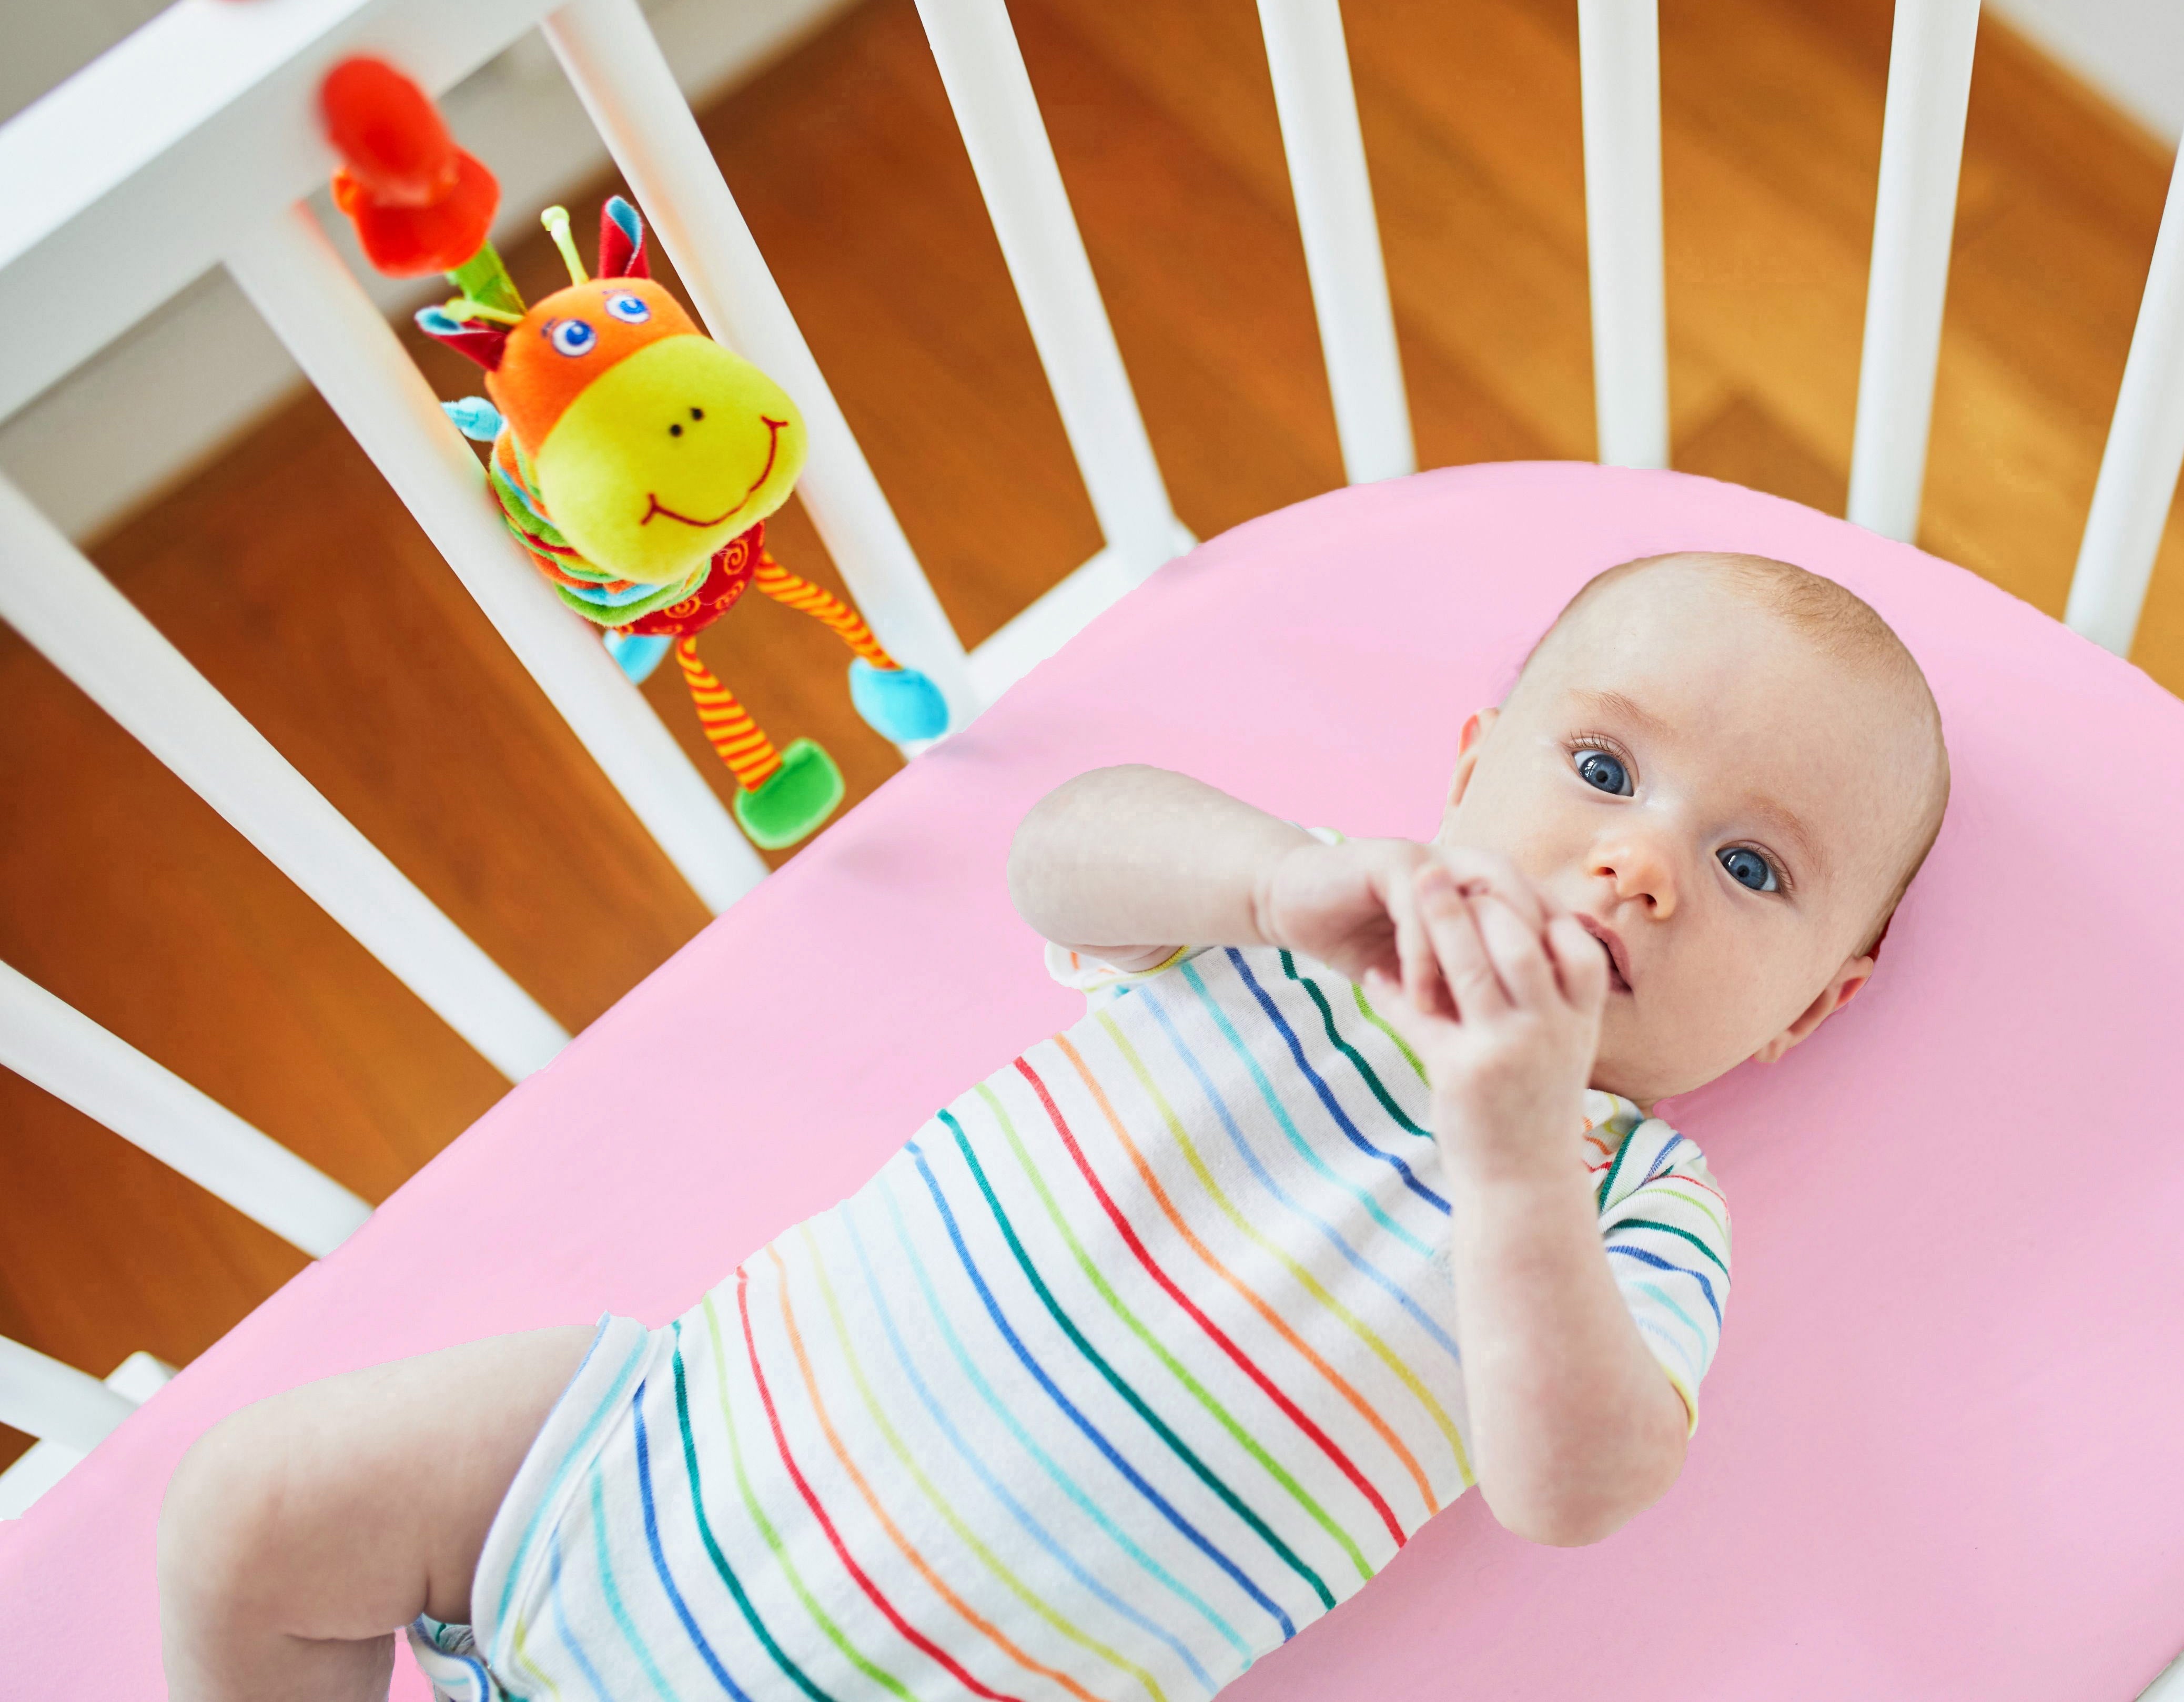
[(1793, 827), (1624, 708)]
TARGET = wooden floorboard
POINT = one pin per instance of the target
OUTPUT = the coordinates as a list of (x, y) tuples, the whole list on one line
[(288, 573)]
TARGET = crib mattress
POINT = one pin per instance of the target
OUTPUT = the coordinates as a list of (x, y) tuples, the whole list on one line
[(1943, 1445)]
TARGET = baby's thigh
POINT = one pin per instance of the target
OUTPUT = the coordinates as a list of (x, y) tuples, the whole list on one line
[(345, 1508)]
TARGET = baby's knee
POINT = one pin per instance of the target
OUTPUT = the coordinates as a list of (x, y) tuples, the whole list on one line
[(219, 1523)]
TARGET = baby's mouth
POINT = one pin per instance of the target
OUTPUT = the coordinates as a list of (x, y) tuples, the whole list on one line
[(1610, 945)]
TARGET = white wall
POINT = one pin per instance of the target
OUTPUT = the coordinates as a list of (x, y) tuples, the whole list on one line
[(183, 382), (2130, 50)]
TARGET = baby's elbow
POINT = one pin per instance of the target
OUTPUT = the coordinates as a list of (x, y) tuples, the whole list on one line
[(1569, 1531), (1573, 1521)]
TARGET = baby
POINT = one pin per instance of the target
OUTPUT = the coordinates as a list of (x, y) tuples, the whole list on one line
[(1345, 1195)]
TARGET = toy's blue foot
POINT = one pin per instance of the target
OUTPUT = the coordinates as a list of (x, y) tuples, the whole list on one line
[(900, 703), (638, 653)]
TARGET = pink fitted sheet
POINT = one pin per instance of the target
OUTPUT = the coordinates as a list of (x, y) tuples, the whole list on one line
[(1943, 1446)]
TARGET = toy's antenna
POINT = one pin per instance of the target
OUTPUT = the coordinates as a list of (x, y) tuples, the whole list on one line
[(556, 221), (467, 307)]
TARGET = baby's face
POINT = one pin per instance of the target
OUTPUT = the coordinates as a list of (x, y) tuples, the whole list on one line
[(1727, 806)]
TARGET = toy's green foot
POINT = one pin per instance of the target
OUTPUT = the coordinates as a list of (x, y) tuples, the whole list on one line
[(795, 799)]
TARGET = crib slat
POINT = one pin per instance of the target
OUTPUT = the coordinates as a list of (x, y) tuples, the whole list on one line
[(2169, 1687), (48, 1042), (315, 305), (1619, 65), (983, 70), (42, 1397), (1309, 61), (137, 1379), (1922, 146), (2145, 451), (93, 634), (611, 56)]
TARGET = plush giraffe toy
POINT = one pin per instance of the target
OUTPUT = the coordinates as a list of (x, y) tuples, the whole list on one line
[(637, 460)]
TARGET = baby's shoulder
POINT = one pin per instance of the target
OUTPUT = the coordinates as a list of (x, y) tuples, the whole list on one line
[(1629, 1152)]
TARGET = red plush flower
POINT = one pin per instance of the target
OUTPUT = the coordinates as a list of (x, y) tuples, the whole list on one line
[(420, 203)]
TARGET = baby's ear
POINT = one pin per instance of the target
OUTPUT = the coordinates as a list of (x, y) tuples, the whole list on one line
[(1467, 752), (1842, 986)]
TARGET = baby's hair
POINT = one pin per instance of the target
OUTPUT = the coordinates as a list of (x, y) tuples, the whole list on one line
[(1844, 626)]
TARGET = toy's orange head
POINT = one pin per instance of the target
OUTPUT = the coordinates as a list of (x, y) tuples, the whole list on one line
[(652, 445)]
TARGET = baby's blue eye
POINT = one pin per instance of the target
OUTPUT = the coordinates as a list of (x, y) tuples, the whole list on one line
[(1747, 867), (629, 309), (1606, 772), (571, 336)]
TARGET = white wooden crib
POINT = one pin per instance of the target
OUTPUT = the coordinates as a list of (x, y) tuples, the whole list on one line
[(212, 106)]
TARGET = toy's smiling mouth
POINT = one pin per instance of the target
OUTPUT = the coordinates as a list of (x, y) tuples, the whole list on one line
[(655, 506)]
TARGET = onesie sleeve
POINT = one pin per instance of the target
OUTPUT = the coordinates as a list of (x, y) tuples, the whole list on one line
[(1665, 1226), (1100, 981)]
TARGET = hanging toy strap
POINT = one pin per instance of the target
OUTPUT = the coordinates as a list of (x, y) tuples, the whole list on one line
[(785, 587), (733, 735)]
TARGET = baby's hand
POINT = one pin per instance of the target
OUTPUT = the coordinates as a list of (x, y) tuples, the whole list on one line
[(1507, 1027), (1354, 906)]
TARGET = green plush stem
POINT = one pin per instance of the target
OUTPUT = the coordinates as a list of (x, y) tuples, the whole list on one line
[(484, 278)]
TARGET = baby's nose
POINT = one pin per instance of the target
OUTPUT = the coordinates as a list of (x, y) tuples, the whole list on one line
[(1639, 868)]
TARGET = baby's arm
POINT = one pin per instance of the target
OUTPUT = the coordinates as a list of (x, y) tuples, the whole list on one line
[(1575, 1426), (1127, 864)]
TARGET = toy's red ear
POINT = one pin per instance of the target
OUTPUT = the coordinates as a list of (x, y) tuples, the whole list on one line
[(483, 342), (621, 241)]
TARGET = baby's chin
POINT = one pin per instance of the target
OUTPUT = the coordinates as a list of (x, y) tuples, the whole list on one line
[(1646, 1080), (1633, 1071)]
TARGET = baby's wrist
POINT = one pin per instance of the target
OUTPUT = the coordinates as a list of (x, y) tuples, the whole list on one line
[(1267, 882), (1487, 1153)]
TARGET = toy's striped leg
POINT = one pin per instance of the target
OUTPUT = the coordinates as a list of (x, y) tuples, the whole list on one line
[(778, 582), (729, 729), (897, 701), (784, 794)]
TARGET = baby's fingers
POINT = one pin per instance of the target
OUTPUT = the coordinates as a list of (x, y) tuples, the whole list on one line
[(1419, 969), (1477, 872), (1519, 955), (1580, 962), (1464, 962), (1393, 1006)]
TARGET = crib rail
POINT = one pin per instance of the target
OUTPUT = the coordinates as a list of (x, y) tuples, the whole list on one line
[(46, 1041), (1309, 62), (2144, 454), (1619, 68), (194, 144), (1922, 144)]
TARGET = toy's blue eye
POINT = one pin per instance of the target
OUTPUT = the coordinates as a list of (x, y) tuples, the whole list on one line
[(1599, 769), (1747, 867), (571, 336), (629, 309)]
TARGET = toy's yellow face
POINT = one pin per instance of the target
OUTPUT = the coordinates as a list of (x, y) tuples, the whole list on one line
[(652, 444), (668, 455)]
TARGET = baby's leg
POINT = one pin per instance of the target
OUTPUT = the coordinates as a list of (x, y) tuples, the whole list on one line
[(299, 1534)]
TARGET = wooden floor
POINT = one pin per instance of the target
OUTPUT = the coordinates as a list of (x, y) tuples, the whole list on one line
[(288, 573)]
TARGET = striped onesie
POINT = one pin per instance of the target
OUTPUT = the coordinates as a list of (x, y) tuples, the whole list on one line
[(1135, 1360)]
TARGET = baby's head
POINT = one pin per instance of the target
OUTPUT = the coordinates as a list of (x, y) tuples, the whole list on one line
[(1731, 769)]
